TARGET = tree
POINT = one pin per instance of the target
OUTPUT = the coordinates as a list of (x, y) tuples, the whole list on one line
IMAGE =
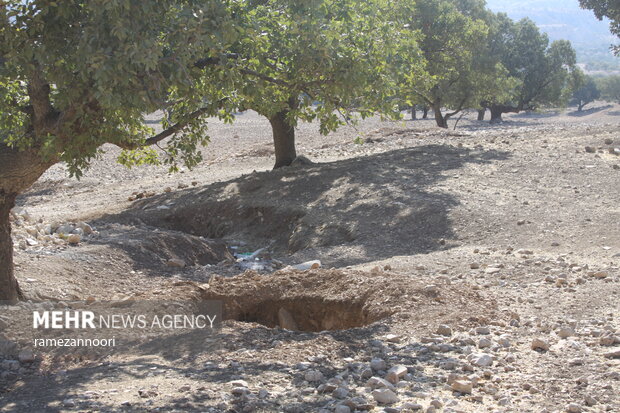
[(541, 73), (610, 88), (609, 9), (312, 60), (450, 40), (77, 74), (587, 93)]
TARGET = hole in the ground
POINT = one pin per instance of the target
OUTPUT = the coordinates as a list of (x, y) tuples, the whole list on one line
[(306, 314)]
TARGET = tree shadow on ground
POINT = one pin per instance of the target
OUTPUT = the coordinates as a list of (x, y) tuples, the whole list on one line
[(590, 111), (375, 206)]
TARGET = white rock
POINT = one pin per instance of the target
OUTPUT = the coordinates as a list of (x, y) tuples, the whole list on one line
[(565, 332), (481, 359), (540, 344), (444, 330), (396, 373), (385, 396), (379, 383), (462, 386), (484, 343), (574, 408)]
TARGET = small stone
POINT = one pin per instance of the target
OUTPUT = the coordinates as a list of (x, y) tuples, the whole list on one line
[(540, 344), (484, 343), (574, 408), (599, 274), (378, 364), (492, 270), (175, 263), (565, 332), (263, 393), (590, 401), (313, 376), (474, 265), (74, 239), (613, 354), (609, 141), (609, 340), (481, 360), (239, 383), (483, 330), (384, 396), (396, 373), (68, 403), (240, 391), (462, 386), (379, 383), (340, 393), (341, 408), (444, 330), (26, 356), (590, 149)]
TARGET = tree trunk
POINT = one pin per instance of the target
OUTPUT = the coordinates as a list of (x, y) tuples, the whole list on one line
[(439, 118), (496, 114), (18, 171), (9, 289), (283, 139), (481, 113), (413, 113), (425, 112), (580, 107)]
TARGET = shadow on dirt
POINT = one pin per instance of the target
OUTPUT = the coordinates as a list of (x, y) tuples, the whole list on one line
[(586, 112), (376, 206)]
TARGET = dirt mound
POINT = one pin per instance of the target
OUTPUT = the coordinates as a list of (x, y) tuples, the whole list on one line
[(318, 300), (149, 246)]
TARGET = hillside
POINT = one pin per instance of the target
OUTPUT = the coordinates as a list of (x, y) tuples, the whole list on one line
[(564, 19)]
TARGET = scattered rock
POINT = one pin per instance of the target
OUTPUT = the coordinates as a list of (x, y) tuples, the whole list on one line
[(74, 239), (175, 263), (396, 373), (378, 364), (444, 330), (26, 356), (540, 344), (462, 386), (313, 376), (385, 396)]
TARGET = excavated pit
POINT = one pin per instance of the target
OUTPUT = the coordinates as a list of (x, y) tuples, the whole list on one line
[(305, 314)]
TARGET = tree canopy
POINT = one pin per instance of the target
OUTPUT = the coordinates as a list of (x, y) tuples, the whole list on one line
[(609, 9)]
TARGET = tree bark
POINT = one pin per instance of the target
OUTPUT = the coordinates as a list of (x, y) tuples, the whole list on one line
[(18, 171), (439, 118), (481, 113), (413, 113), (9, 289), (498, 110), (580, 107), (283, 139), (425, 112)]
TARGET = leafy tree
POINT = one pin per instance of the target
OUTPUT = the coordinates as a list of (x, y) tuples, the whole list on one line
[(609, 9), (541, 73), (312, 60), (450, 43), (610, 88), (587, 93), (77, 74)]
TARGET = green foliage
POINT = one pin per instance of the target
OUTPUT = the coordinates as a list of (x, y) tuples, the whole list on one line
[(106, 68), (587, 93), (313, 58), (610, 88), (541, 72), (609, 9), (452, 40)]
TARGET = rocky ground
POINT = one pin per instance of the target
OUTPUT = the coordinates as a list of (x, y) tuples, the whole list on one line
[(465, 270)]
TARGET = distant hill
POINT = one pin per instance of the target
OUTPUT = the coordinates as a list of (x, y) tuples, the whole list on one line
[(564, 19)]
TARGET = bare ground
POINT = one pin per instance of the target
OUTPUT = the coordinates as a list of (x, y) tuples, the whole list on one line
[(499, 234)]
